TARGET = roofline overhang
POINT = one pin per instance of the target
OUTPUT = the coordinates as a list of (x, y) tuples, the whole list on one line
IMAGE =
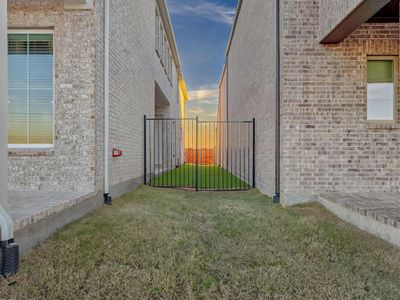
[(358, 16), (221, 80), (228, 48), (238, 9)]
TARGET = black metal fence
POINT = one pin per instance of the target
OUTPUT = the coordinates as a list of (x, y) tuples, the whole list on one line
[(201, 155)]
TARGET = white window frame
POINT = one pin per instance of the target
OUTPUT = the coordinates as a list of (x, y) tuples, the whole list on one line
[(394, 120), (37, 31)]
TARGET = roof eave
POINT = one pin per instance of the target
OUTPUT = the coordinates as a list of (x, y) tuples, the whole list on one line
[(361, 14)]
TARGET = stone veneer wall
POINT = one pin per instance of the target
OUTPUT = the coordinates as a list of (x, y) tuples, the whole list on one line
[(70, 166), (251, 82), (327, 143), (76, 162)]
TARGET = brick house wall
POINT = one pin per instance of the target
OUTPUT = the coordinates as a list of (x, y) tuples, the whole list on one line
[(76, 161), (222, 116), (250, 86), (99, 95), (134, 69), (327, 143), (70, 165)]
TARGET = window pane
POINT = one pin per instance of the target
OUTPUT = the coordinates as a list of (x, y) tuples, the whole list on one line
[(41, 117), (380, 101), (17, 61), (30, 88), (380, 71), (41, 71), (17, 116), (40, 44), (17, 43), (17, 88)]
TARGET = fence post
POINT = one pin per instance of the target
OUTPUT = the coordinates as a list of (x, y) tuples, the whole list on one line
[(197, 154), (254, 152), (145, 150)]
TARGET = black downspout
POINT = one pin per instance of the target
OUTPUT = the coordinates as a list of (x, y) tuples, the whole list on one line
[(278, 107), (145, 150)]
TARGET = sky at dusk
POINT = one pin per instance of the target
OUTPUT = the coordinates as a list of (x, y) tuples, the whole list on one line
[(202, 29)]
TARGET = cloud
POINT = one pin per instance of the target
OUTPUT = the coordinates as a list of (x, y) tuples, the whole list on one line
[(204, 95), (204, 9), (203, 103), (196, 110)]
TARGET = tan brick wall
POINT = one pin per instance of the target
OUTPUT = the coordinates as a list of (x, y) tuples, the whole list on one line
[(134, 70), (251, 82), (327, 144), (222, 117), (99, 94), (70, 165)]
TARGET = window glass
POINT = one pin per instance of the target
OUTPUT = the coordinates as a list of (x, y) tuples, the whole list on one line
[(30, 89), (380, 71), (381, 90)]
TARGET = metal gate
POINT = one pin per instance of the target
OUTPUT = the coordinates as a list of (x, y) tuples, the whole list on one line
[(200, 155)]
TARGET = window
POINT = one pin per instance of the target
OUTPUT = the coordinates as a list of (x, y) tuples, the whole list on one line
[(160, 43), (165, 52), (157, 32), (170, 65), (382, 89), (30, 89), (162, 46)]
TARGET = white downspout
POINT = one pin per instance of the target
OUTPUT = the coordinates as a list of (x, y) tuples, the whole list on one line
[(6, 223), (107, 197)]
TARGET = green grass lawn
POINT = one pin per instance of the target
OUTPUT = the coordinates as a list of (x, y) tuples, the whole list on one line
[(210, 177), (169, 244)]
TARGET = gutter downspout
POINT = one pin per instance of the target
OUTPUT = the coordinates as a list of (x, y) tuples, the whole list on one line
[(277, 197), (107, 197), (9, 254)]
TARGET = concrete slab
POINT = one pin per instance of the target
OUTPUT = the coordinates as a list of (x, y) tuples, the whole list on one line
[(30, 207), (377, 213), (37, 215)]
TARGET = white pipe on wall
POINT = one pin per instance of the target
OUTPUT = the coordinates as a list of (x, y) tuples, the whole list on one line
[(7, 226), (106, 94), (6, 223)]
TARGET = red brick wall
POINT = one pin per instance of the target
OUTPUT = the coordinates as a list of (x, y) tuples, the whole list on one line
[(206, 156)]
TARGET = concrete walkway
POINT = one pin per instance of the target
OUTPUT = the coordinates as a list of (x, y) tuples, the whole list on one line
[(38, 215), (377, 213), (30, 207)]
